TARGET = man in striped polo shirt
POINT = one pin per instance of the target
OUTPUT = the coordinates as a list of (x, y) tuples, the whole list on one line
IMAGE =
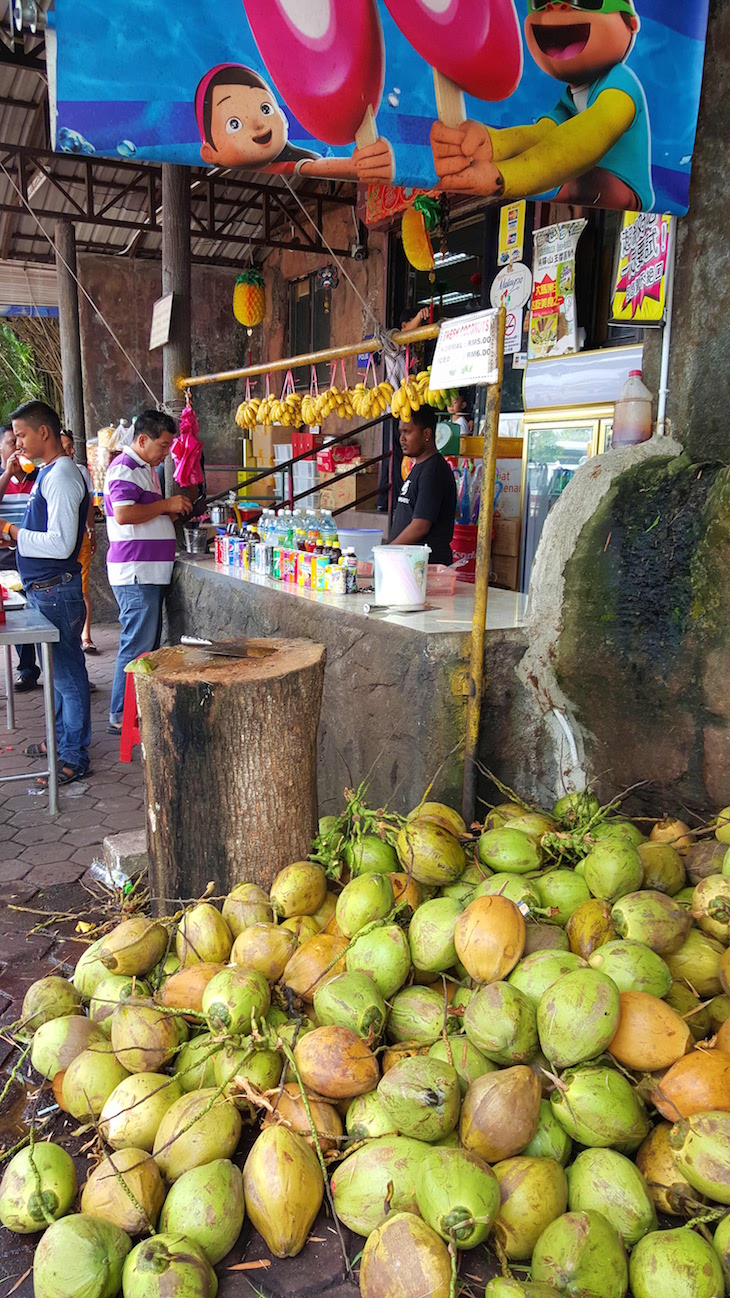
[(141, 543)]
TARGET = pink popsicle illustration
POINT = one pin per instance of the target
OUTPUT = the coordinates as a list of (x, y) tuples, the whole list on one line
[(327, 59), (472, 45)]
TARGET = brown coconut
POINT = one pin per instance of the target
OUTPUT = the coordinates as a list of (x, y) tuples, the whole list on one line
[(336, 1063), (698, 1083), (405, 1258), (103, 1195), (144, 1039), (184, 990), (650, 1034), (490, 938), (500, 1113), (291, 1112), (265, 948), (309, 967)]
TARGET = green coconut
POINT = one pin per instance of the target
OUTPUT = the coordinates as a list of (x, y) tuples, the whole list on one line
[(534, 823), (168, 1265), (577, 1017), (370, 854), (469, 1062), (196, 1129), (48, 998), (501, 1287), (113, 991), (246, 904), (602, 1180), (90, 1079), (663, 868), (590, 927), (405, 1258), (550, 1140), (617, 831), (544, 937), (458, 1195), (377, 1179), (351, 1000), (510, 850), (612, 870), (500, 1021), (364, 899), (383, 954), (25, 1210), (698, 962), (536, 973), (289, 1030), (599, 1108), (419, 1015), (576, 810), (675, 1264), (581, 1253), (718, 1012), (80, 1256), (430, 854), (721, 1243), (633, 967), (367, 1117), (422, 1095), (515, 887), (206, 1206), (711, 907), (234, 999), (652, 918), (134, 947), (195, 1062), (701, 1148), (463, 890), (241, 1057), (135, 1109), (57, 1043), (203, 937), (562, 892), (431, 935), (533, 1192), (105, 1196), (144, 1038), (89, 971)]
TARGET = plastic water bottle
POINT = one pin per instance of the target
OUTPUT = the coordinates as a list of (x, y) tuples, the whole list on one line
[(327, 526), (632, 421)]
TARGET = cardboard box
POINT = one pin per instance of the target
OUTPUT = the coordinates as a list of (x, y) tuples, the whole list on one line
[(509, 474), (506, 539), (367, 483), (338, 495), (505, 571)]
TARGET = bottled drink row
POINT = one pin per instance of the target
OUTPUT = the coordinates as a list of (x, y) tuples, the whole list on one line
[(292, 546)]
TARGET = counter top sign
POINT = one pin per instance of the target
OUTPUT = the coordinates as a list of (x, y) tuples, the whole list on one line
[(466, 352)]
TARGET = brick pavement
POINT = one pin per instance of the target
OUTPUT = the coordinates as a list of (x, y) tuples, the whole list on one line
[(42, 852)]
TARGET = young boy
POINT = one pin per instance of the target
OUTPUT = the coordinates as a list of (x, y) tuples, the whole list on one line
[(594, 147), (242, 125)]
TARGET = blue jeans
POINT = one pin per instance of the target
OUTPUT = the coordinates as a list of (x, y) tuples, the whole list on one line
[(63, 605), (28, 669), (140, 614)]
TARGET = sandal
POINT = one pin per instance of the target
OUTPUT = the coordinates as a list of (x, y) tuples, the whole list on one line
[(114, 729), (35, 750), (67, 775), (89, 647)]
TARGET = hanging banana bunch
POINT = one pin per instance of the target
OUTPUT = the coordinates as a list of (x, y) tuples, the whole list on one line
[(368, 403)]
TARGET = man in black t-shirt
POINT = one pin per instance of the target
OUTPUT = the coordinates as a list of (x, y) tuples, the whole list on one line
[(426, 508)]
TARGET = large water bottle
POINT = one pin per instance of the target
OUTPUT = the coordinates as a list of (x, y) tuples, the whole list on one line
[(632, 421), (327, 527)]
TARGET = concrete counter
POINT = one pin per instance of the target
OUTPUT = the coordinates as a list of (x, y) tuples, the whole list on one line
[(394, 706)]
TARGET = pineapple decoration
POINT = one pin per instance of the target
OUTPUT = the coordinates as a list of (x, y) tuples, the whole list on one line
[(417, 223), (249, 299)]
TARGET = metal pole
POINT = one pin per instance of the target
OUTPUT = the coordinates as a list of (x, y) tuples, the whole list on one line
[(481, 583), (313, 358), (49, 707), (70, 336), (176, 279), (661, 421)]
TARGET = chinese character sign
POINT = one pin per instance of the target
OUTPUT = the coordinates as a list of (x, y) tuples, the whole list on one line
[(639, 295), (553, 322), (590, 102)]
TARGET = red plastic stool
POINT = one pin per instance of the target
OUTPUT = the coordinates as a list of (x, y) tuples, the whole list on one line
[(130, 720)]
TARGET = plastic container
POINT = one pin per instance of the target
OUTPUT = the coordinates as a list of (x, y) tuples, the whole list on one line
[(441, 580), (401, 573), (632, 419), (360, 539), (464, 550)]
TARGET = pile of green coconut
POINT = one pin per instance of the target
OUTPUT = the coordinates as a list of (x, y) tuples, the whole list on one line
[(516, 1037)]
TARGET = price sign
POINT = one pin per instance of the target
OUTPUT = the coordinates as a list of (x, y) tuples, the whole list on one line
[(466, 352)]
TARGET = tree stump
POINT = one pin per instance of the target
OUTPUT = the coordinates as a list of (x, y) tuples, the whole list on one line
[(230, 762)]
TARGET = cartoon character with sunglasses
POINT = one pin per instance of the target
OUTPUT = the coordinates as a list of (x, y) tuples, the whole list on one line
[(594, 147)]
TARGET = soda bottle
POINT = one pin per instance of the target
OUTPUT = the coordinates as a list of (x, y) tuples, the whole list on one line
[(350, 566)]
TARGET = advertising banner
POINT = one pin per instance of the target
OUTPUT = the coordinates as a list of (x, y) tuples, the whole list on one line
[(639, 293), (591, 102), (553, 322)]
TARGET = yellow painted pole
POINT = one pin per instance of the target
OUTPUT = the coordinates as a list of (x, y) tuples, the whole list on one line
[(476, 681), (312, 358)]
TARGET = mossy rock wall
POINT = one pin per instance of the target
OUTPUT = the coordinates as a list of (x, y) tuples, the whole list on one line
[(644, 653)]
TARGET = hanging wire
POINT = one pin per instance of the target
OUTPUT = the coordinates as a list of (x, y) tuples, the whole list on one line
[(160, 405)]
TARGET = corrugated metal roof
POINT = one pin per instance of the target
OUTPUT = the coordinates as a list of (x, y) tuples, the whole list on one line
[(24, 121), (25, 284)]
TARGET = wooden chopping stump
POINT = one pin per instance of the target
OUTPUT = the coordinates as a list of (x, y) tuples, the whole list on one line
[(230, 762)]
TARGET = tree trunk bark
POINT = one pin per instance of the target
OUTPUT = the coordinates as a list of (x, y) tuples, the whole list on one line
[(230, 765)]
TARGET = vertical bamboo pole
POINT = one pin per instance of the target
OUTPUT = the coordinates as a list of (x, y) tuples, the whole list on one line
[(481, 584)]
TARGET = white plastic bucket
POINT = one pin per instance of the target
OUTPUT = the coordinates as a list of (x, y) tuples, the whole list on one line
[(400, 573), (360, 539)]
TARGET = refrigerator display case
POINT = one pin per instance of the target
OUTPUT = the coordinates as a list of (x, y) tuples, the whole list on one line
[(555, 443)]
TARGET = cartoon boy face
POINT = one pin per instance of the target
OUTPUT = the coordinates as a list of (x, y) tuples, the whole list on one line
[(577, 41), (246, 126)]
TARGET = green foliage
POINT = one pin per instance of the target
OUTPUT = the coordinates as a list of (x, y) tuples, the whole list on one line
[(19, 376)]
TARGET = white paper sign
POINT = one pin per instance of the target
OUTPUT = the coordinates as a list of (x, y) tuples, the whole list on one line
[(512, 285), (513, 331), (466, 352)]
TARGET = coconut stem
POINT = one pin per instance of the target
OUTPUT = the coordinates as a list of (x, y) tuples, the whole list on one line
[(23, 1056), (454, 1268), (48, 1216)]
